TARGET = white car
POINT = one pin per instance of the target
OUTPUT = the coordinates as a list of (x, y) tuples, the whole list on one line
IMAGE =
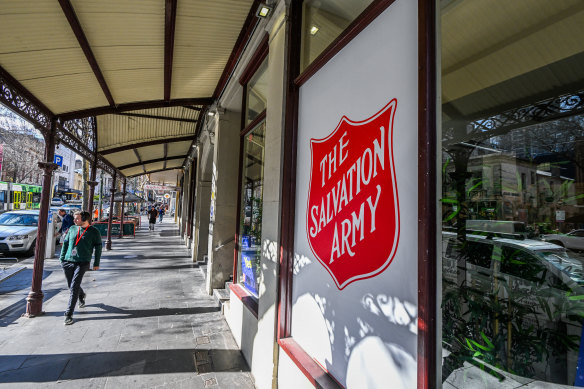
[(18, 231), (57, 201), (573, 240)]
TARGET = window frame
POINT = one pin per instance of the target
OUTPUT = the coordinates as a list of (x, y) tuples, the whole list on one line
[(261, 54)]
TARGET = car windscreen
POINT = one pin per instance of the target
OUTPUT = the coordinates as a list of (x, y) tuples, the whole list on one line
[(18, 219), (562, 260)]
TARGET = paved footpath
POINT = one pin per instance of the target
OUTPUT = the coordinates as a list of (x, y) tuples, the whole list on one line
[(148, 323)]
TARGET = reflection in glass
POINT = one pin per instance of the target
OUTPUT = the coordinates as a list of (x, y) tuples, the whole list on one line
[(323, 21), (512, 191), (250, 226), (257, 89)]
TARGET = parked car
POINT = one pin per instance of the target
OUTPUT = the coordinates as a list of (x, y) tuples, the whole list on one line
[(18, 231), (57, 201), (522, 295), (573, 240)]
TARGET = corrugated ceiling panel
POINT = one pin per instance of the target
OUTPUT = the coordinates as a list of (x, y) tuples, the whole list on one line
[(39, 49), (133, 171), (121, 130), (169, 177), (206, 33), (174, 163), (67, 93), (154, 166), (173, 112), (128, 43), (122, 158), (151, 152), (178, 148), (133, 85)]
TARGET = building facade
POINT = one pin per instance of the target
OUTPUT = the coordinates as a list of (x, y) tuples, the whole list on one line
[(377, 187)]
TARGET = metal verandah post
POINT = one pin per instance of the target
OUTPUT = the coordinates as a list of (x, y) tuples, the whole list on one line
[(92, 183), (108, 242), (34, 300), (122, 214)]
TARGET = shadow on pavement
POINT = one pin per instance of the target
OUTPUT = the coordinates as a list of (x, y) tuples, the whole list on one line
[(109, 312), (12, 313), (74, 366)]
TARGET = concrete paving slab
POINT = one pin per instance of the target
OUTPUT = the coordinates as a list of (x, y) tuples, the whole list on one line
[(147, 315)]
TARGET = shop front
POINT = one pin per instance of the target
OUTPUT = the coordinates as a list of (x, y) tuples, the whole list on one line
[(407, 176)]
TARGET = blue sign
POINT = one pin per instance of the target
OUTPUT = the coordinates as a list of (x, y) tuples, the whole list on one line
[(58, 160)]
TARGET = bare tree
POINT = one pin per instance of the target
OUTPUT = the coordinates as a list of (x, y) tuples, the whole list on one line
[(23, 147)]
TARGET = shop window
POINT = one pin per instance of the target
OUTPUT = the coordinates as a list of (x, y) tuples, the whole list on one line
[(323, 21), (250, 222), (512, 142)]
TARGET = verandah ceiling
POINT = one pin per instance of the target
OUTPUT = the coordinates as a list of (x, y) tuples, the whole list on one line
[(146, 69)]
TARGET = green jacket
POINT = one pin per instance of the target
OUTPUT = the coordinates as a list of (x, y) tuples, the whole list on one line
[(88, 241)]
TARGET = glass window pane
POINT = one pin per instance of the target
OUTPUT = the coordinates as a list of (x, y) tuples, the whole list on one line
[(256, 93), (512, 192), (250, 226), (323, 21)]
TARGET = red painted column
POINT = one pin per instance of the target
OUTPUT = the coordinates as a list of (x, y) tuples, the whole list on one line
[(34, 300), (108, 242), (122, 215)]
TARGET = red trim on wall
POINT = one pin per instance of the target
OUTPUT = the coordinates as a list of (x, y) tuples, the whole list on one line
[(427, 205), (256, 60), (317, 376), (246, 298), (286, 253)]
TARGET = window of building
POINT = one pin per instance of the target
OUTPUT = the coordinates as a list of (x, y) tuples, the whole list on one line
[(250, 222), (512, 177), (255, 83), (323, 21)]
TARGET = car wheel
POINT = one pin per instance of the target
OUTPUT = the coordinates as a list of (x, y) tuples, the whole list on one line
[(31, 249)]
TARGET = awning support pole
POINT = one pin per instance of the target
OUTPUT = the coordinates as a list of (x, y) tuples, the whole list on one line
[(34, 300), (122, 214), (92, 183), (108, 242)]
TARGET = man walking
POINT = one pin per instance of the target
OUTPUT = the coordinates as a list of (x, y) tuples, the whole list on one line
[(152, 214), (78, 246), (66, 221)]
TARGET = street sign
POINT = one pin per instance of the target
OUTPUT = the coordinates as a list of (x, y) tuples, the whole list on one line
[(58, 160)]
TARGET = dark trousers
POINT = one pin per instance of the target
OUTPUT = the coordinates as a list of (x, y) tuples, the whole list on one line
[(74, 272)]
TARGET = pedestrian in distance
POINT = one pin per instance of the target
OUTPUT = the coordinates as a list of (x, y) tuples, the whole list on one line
[(152, 214), (81, 241), (161, 213), (66, 221)]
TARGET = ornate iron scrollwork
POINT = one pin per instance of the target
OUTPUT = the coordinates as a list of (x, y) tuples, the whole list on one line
[(11, 96)]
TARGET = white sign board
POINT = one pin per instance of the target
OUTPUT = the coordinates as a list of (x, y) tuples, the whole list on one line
[(159, 187), (355, 269)]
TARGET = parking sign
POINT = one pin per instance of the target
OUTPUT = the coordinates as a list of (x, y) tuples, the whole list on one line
[(58, 160)]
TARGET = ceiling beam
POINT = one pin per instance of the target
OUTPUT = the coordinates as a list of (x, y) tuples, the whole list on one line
[(149, 143), (154, 171), (139, 160), (166, 154), (197, 132), (96, 111), (169, 27), (193, 108), (136, 164), (244, 36), (80, 35), (139, 115)]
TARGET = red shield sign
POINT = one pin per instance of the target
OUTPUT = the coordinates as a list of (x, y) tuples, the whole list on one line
[(352, 219)]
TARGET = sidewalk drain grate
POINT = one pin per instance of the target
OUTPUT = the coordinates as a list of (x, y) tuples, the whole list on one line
[(210, 382), (203, 340)]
